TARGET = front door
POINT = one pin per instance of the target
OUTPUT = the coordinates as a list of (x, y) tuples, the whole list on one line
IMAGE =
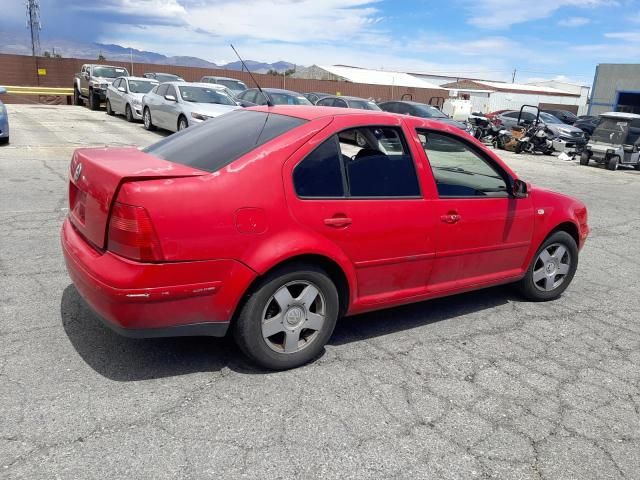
[(367, 201), (484, 232)]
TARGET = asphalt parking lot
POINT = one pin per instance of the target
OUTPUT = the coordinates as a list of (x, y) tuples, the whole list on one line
[(483, 385)]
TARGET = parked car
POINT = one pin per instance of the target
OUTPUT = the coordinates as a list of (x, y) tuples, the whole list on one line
[(163, 77), (125, 94), (265, 217), (586, 123), (564, 116), (615, 141), (91, 83), (492, 115), (313, 97), (233, 84), (278, 96), (4, 120), (347, 102), (177, 105), (566, 136), (422, 110)]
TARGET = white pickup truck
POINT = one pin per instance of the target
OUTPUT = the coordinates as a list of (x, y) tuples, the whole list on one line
[(90, 85)]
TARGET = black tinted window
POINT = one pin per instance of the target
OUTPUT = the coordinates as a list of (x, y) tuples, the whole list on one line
[(340, 103), (162, 90), (221, 140), (319, 174), (458, 170), (325, 102)]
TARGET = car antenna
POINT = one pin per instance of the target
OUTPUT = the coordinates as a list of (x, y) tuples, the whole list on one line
[(269, 104)]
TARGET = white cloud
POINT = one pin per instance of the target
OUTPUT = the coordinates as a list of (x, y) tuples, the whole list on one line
[(497, 14), (626, 36), (574, 22)]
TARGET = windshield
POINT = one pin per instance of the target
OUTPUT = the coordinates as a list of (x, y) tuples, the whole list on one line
[(204, 95), (287, 99), (140, 86), (610, 130), (547, 118), (427, 111), (109, 72), (363, 105), (232, 84), (167, 77)]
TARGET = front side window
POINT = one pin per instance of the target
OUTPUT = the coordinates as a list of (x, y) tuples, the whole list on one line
[(140, 86), (325, 102), (340, 103), (162, 90), (458, 170), (369, 161)]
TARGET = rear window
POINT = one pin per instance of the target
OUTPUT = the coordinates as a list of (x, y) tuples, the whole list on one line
[(221, 140)]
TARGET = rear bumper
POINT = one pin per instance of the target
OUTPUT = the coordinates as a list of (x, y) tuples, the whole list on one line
[(155, 300)]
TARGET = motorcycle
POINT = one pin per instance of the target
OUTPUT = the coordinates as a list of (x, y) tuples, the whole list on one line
[(483, 129), (502, 138), (536, 139)]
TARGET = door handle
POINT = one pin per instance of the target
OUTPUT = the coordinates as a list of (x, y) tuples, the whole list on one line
[(450, 218), (338, 222)]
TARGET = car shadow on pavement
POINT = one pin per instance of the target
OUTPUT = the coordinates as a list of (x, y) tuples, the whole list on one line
[(385, 322), (125, 359)]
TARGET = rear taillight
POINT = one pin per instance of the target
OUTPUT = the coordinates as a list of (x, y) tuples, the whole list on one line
[(131, 234)]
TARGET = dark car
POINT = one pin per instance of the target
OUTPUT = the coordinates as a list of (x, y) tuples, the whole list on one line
[(277, 96), (313, 97), (563, 115), (348, 102), (164, 77), (587, 123), (422, 110)]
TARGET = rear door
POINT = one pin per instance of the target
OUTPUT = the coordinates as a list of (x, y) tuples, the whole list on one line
[(484, 233), (369, 202)]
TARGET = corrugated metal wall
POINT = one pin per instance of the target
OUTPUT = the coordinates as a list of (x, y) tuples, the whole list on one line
[(20, 70), (513, 101)]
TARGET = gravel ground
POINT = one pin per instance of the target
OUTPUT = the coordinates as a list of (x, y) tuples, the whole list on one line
[(481, 385)]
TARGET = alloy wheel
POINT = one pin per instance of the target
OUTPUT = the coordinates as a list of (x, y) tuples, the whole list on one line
[(551, 267), (293, 317)]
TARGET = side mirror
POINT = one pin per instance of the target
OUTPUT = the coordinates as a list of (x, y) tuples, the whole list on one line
[(3, 90), (520, 189), (170, 98), (122, 89)]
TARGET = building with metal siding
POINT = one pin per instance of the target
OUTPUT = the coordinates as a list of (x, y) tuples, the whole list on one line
[(616, 88)]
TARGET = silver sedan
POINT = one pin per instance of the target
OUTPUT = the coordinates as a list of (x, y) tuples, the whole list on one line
[(125, 94), (177, 105)]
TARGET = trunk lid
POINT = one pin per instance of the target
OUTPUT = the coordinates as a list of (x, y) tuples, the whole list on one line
[(95, 176)]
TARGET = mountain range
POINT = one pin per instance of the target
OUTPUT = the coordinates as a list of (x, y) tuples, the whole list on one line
[(10, 43)]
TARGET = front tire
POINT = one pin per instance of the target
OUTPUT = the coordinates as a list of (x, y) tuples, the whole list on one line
[(584, 158), (146, 118), (612, 163), (4, 141), (288, 318), (552, 268), (110, 111), (128, 113), (182, 123), (76, 97), (94, 101)]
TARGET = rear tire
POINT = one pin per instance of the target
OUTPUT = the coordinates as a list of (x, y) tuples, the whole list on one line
[(612, 163), (128, 113), (4, 141), (552, 268), (294, 308), (146, 117), (109, 110)]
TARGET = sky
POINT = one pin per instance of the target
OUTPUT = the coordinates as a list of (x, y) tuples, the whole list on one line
[(542, 39)]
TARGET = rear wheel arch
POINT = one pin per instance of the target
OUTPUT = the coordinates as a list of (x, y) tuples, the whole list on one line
[(335, 272)]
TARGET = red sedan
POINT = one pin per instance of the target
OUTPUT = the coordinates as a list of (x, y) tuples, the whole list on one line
[(273, 222)]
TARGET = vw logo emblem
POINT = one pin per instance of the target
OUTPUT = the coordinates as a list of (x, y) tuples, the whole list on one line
[(77, 172)]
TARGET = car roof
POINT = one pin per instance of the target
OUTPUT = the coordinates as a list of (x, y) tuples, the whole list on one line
[(131, 77), (222, 78), (347, 97), (408, 102), (194, 84), (620, 115), (163, 73), (277, 90)]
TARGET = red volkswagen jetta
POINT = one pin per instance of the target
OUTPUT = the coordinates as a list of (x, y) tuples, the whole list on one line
[(274, 222)]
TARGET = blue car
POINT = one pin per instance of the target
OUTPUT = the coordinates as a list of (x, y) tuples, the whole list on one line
[(4, 121)]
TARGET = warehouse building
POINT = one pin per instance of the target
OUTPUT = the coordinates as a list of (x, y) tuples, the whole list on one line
[(489, 96), (616, 87)]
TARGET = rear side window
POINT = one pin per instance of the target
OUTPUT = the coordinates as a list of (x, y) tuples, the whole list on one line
[(219, 141), (320, 174)]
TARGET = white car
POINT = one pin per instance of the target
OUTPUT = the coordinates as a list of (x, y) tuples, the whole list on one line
[(177, 105), (125, 94)]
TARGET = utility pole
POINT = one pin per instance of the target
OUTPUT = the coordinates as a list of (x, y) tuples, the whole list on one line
[(513, 77), (33, 23)]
